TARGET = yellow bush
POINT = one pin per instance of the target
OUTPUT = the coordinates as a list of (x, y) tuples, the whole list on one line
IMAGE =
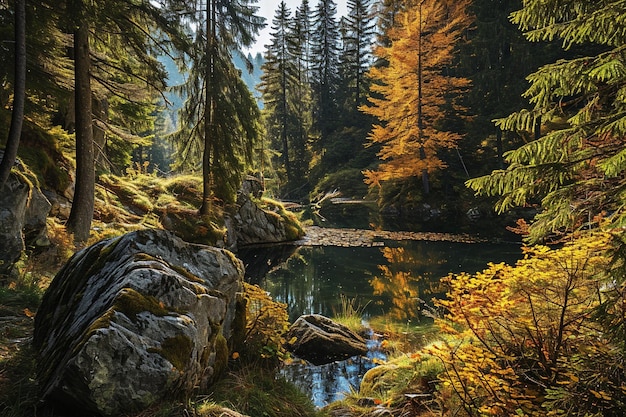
[(267, 322), (527, 342)]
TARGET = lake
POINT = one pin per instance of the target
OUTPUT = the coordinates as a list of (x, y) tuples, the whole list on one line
[(394, 282)]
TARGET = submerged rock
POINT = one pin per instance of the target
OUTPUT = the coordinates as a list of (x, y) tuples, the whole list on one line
[(320, 340), (133, 320)]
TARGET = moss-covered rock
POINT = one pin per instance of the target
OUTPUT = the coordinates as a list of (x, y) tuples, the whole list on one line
[(260, 220), (134, 320), (23, 213)]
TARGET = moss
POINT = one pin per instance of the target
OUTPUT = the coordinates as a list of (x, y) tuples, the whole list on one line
[(131, 303), (39, 149), (188, 275), (401, 375), (221, 355), (238, 328), (177, 350)]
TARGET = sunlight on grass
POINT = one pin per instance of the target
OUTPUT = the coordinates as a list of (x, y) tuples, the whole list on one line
[(350, 314)]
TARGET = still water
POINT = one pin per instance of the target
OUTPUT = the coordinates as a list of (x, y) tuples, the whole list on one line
[(393, 282)]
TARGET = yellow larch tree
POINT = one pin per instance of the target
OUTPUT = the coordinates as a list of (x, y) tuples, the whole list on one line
[(414, 93)]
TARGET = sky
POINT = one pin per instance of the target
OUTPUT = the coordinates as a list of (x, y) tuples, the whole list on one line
[(267, 9)]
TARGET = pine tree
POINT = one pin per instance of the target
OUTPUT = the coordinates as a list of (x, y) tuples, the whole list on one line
[(575, 170), (279, 72), (357, 48), (415, 92), (220, 119), (19, 93), (324, 69)]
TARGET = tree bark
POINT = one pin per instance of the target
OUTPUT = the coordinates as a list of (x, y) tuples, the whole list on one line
[(81, 215), (209, 110), (19, 93)]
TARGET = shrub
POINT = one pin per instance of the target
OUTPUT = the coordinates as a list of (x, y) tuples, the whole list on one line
[(525, 340)]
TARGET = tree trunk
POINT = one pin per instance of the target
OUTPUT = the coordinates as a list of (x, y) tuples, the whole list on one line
[(209, 110), (19, 93), (81, 215)]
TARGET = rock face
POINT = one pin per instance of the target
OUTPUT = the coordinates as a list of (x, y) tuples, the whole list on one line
[(251, 224), (320, 340), (23, 212), (133, 320)]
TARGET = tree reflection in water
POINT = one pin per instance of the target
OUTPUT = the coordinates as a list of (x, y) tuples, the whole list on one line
[(389, 281)]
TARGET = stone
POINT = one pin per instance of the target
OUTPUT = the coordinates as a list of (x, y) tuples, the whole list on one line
[(23, 213), (320, 340), (251, 224), (134, 320)]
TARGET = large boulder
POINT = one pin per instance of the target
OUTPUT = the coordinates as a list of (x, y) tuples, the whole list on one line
[(134, 320), (320, 340), (23, 213)]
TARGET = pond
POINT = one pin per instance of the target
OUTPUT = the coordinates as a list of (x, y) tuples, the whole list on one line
[(393, 282)]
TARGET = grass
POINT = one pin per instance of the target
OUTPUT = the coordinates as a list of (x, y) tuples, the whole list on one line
[(350, 314), (260, 392)]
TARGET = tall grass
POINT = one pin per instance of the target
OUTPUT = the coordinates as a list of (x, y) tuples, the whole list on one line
[(350, 314)]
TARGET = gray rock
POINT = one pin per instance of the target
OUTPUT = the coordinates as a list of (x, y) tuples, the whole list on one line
[(23, 213), (320, 340), (134, 320), (252, 224)]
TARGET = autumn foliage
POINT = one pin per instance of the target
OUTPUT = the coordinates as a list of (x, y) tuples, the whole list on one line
[(414, 93), (524, 340)]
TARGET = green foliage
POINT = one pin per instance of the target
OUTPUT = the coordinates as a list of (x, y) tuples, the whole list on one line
[(574, 170)]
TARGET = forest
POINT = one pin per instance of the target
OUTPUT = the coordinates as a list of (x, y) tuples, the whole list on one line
[(513, 109)]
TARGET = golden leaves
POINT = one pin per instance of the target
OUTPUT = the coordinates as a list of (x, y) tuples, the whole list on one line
[(519, 330)]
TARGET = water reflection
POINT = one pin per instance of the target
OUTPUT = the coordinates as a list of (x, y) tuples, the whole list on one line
[(389, 281)]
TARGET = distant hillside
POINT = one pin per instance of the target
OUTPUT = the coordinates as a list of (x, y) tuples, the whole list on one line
[(252, 79)]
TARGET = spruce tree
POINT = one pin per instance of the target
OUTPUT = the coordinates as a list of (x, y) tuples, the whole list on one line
[(325, 68), (277, 80), (299, 42), (357, 52), (575, 169), (220, 119)]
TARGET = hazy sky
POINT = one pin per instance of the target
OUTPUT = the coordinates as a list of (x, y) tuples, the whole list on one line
[(267, 9)]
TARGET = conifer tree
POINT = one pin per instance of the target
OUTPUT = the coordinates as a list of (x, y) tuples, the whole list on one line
[(220, 119), (286, 94), (415, 92), (299, 41), (575, 170), (325, 67), (121, 46), (279, 72), (19, 93), (357, 48)]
